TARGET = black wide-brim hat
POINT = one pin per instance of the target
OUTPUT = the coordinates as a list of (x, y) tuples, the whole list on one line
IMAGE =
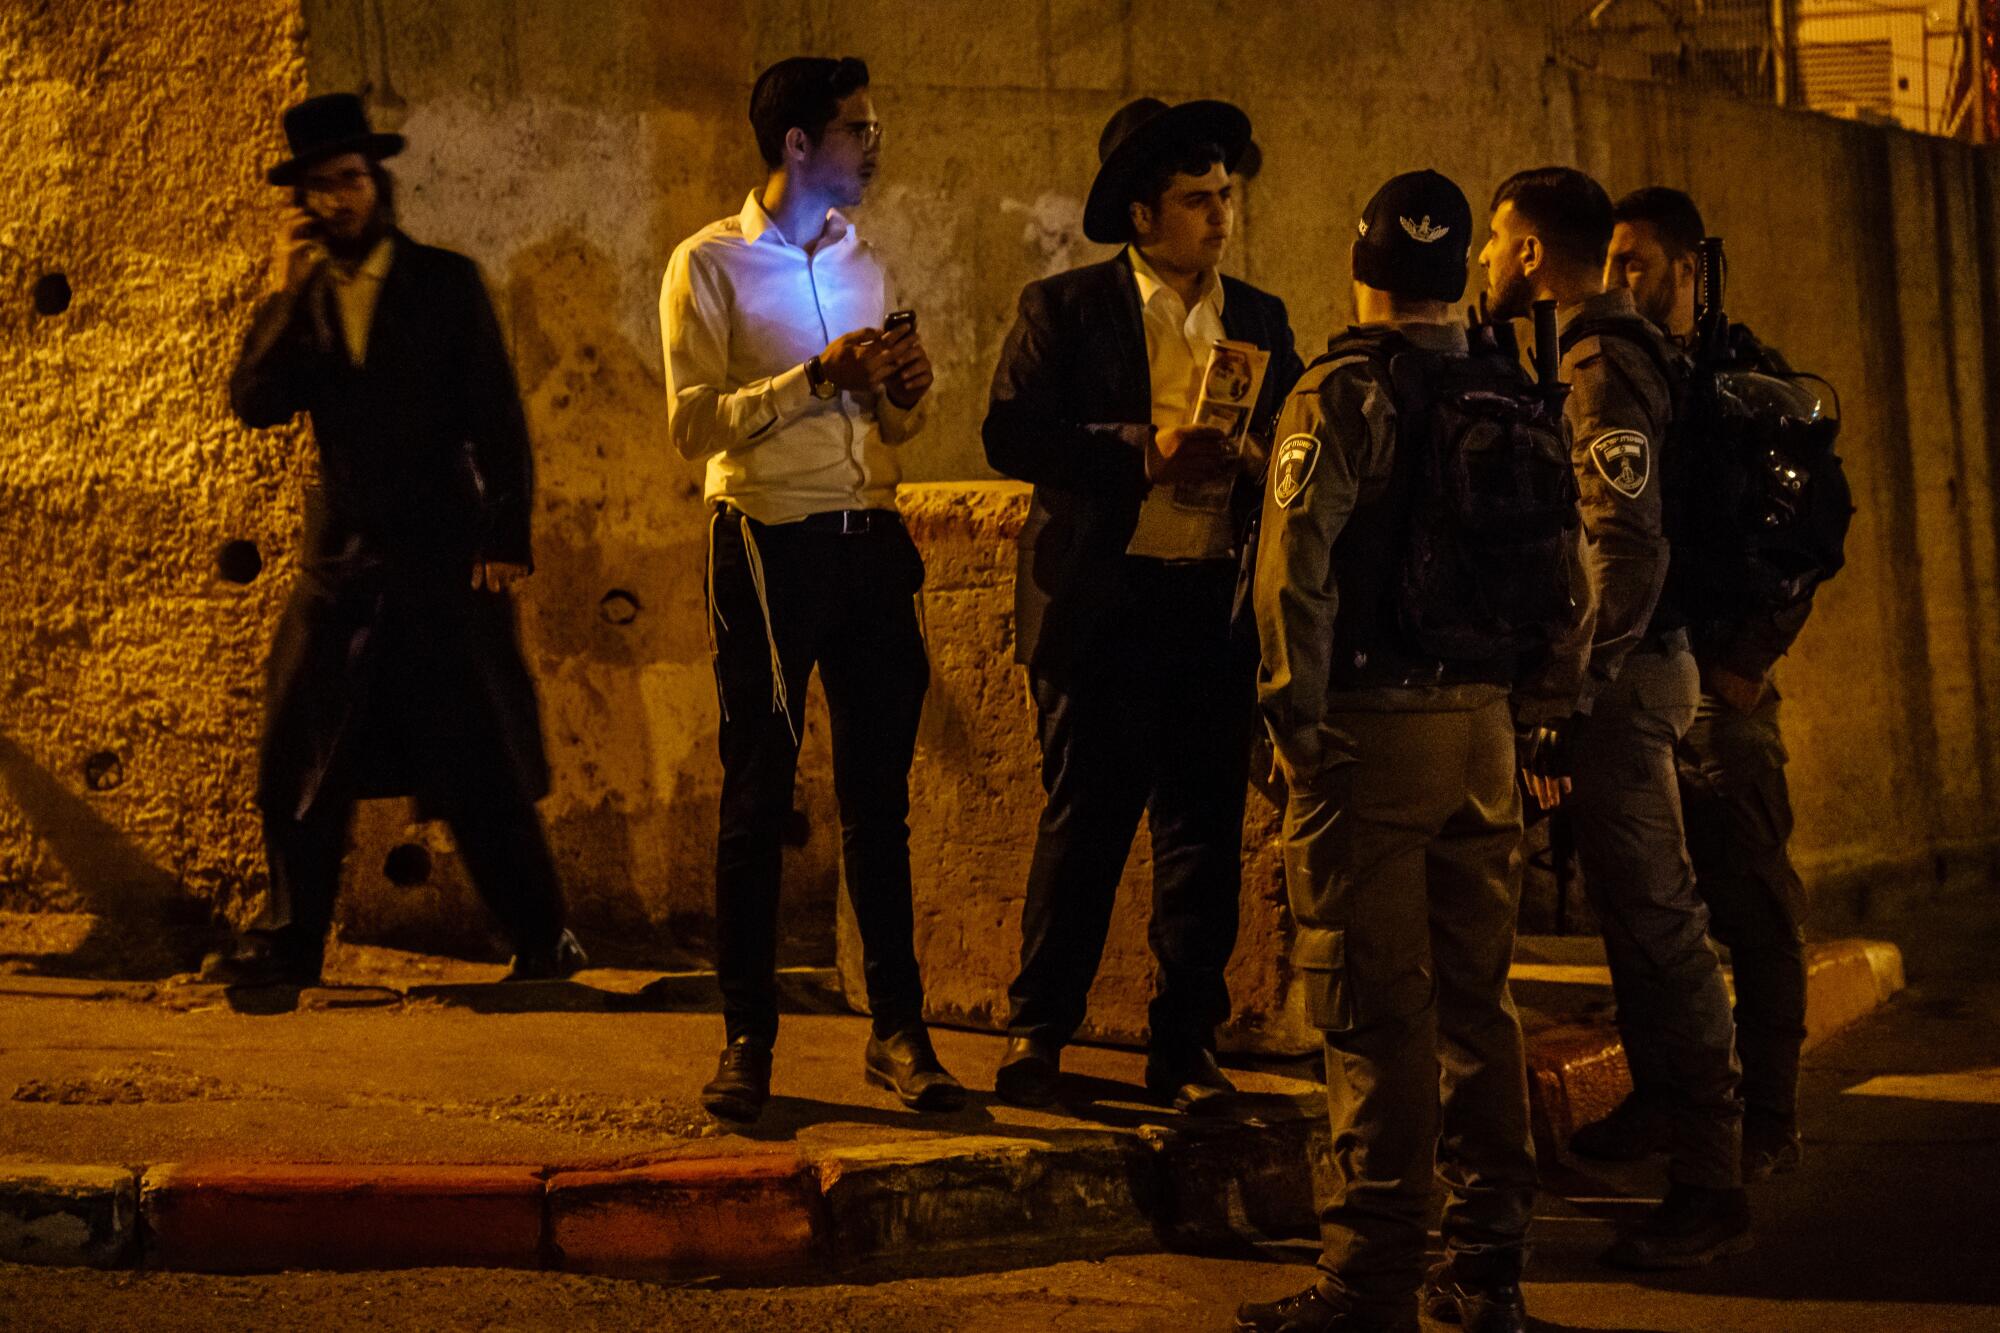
[(1133, 141), (327, 126)]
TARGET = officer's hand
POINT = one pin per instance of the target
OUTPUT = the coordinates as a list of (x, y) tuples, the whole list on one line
[(909, 367), (1188, 454), (856, 362), (497, 575), (1740, 692), (1255, 457), (298, 253), (1548, 792), (1544, 756)]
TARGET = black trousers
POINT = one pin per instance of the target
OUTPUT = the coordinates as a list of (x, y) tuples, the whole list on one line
[(505, 851), (807, 597), (1739, 822), (1158, 722)]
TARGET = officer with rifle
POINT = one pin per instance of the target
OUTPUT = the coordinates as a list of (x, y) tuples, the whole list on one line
[(1766, 510)]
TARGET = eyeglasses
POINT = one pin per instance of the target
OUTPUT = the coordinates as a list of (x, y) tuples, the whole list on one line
[(869, 132)]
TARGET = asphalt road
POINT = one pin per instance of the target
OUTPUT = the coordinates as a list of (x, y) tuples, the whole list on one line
[(1889, 1227)]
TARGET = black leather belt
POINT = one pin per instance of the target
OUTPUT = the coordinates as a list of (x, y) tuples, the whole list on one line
[(835, 522)]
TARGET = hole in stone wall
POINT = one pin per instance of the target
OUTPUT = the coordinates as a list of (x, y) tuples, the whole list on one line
[(52, 294), (797, 829), (407, 865), (619, 607), (104, 771), (239, 561)]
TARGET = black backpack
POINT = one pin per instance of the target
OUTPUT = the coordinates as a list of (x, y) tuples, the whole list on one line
[(1756, 501), (1479, 520)]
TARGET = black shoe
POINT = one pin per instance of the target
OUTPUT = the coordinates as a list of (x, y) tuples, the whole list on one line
[(742, 1082), (1187, 1081), (561, 961), (1029, 1072), (255, 960), (1450, 1296), (1312, 1311), (1769, 1149), (1691, 1227), (904, 1063), (1635, 1129)]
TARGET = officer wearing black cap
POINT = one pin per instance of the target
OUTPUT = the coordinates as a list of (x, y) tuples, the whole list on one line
[(1403, 821), (1126, 597), (1635, 688)]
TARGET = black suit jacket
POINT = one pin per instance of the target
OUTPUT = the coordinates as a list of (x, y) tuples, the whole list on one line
[(390, 674), (1071, 410), (423, 448)]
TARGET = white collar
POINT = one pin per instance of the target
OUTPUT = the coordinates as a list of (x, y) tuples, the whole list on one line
[(755, 223), (1151, 284)]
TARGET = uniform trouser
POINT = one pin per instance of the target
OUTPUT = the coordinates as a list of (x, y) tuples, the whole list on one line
[(1739, 819), (505, 852), (1158, 723), (846, 604), (1403, 865), (1673, 1007)]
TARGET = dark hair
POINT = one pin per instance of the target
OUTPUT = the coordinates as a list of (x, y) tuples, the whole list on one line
[(1569, 212), (1670, 213), (802, 92), (1149, 183)]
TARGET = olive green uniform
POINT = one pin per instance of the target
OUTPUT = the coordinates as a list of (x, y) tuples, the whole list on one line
[(1402, 862), (1640, 689)]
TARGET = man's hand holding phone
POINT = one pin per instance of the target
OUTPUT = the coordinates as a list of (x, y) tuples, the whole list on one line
[(909, 375), (299, 252), (889, 360)]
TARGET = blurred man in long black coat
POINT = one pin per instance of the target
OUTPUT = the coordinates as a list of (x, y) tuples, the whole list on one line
[(396, 670)]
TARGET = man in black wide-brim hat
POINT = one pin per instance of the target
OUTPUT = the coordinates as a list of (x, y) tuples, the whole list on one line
[(396, 670), (1128, 610)]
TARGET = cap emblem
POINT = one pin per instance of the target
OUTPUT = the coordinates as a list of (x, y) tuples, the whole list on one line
[(1423, 232)]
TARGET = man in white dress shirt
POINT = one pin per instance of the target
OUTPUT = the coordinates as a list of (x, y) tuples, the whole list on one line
[(784, 377)]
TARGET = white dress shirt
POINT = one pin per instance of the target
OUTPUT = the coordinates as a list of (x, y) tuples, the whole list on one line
[(1180, 522), (355, 293), (742, 310)]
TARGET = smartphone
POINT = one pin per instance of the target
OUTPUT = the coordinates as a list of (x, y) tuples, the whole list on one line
[(900, 319)]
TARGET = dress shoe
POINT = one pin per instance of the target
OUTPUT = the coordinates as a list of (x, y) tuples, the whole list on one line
[(1770, 1148), (1188, 1081), (904, 1063), (559, 962), (742, 1082), (1314, 1311), (1029, 1072), (255, 960), (1692, 1226), (1634, 1130), (1477, 1305)]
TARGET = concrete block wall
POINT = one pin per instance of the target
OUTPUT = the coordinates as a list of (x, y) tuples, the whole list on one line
[(568, 146)]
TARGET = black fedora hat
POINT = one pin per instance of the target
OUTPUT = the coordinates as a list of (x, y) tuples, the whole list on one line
[(1132, 141), (327, 126)]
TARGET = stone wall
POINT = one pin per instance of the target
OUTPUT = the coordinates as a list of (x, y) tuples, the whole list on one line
[(568, 144)]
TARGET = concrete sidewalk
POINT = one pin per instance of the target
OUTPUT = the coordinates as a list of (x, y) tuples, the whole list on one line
[(421, 1115)]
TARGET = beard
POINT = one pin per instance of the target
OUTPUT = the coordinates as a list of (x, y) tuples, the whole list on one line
[(352, 249), (1509, 297)]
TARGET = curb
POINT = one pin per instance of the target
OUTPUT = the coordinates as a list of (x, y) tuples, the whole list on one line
[(1577, 1073), (772, 1215)]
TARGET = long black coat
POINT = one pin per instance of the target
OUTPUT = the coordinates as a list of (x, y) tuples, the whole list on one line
[(390, 674), (1072, 401)]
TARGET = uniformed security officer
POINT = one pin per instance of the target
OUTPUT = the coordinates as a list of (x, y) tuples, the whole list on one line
[(1551, 229), (1403, 822), (1732, 761)]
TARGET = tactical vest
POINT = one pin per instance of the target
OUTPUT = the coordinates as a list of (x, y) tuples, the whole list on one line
[(1461, 563)]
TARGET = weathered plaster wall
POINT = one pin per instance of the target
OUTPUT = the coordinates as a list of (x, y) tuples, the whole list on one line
[(569, 145), (134, 138)]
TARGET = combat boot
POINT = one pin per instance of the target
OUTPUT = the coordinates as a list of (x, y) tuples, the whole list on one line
[(1770, 1148), (1476, 1304), (1315, 1310), (1691, 1227)]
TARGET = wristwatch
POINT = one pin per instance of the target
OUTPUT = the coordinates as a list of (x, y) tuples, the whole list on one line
[(816, 380)]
